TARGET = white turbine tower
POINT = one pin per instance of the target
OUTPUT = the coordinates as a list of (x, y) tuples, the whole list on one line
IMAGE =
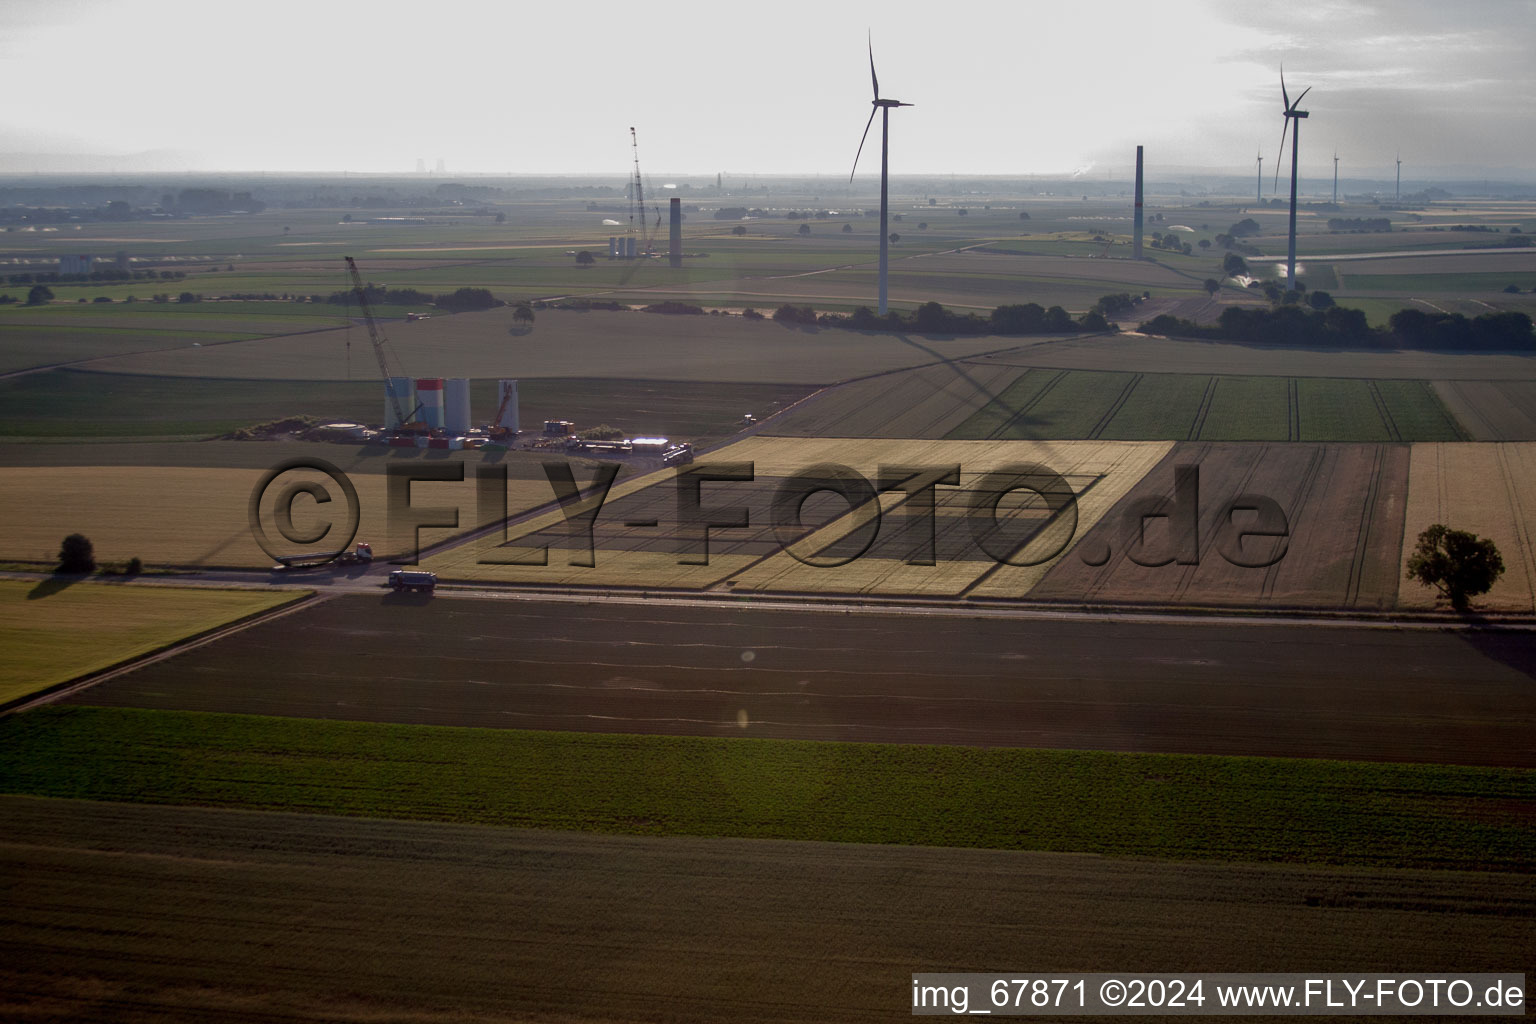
[(1293, 116), (883, 108), (1260, 195)]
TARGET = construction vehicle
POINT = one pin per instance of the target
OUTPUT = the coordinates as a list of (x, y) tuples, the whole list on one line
[(360, 555), (413, 579), (497, 431), (406, 424)]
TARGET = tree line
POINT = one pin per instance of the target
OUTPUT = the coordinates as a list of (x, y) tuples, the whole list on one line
[(1338, 327)]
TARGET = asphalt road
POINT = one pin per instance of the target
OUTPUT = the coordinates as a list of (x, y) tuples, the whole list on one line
[(719, 669)]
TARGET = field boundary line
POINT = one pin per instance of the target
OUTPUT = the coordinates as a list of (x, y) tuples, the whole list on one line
[(1115, 407), (79, 684), (1381, 408), (1362, 535), (1292, 409), (1000, 433), (1205, 408), (1303, 496), (1522, 532)]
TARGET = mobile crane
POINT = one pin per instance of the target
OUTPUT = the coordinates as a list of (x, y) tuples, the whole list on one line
[(407, 424)]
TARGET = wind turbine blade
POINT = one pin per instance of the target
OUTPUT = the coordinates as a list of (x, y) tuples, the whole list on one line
[(872, 76), (1283, 94), (1280, 157), (871, 121), (1303, 95)]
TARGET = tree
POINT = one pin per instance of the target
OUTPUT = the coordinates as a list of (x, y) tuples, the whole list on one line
[(1319, 300), (805, 229), (1234, 265), (738, 230), (501, 218), (187, 297), (1023, 215), (585, 259), (923, 226), (1212, 286), (895, 238), (847, 229), (76, 555), (39, 294), (523, 314), (1456, 563)]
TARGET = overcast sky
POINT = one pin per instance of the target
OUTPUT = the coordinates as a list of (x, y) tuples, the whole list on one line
[(781, 87)]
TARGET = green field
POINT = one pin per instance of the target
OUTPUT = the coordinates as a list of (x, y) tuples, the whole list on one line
[(52, 631), (1170, 806), (1159, 406), (1339, 410), (1091, 404)]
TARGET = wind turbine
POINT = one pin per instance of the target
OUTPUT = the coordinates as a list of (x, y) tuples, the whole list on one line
[(1294, 116), (1399, 194), (1335, 177), (883, 108), (1260, 160)]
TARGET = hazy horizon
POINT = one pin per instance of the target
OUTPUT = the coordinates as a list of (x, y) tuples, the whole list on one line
[(163, 86)]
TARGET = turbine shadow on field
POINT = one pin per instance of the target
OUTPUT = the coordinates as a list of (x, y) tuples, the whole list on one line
[(1513, 649), (958, 368)]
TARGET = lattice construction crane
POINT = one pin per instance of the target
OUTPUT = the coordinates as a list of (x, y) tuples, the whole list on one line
[(376, 335)]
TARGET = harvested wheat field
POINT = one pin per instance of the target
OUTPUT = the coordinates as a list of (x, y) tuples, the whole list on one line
[(1099, 473), (638, 539), (1493, 410), (199, 516), (1486, 489), (1343, 513)]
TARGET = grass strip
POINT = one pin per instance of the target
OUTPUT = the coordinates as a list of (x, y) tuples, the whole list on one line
[(1151, 805)]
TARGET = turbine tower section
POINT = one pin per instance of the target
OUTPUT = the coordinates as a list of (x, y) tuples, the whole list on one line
[(883, 108), (675, 234), (1136, 238), (1291, 120)]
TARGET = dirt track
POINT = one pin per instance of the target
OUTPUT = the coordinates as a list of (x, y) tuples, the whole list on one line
[(1365, 694)]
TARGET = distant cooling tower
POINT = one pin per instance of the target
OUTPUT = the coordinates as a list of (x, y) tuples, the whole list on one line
[(1136, 247), (429, 392), (456, 418), (675, 244), (397, 394), (506, 401)]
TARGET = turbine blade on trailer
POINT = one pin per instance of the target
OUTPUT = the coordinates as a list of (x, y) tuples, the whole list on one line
[(856, 156)]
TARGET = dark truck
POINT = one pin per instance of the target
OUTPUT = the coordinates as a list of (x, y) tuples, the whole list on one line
[(413, 579)]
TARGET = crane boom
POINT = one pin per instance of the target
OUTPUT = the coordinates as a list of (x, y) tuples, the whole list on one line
[(645, 234), (376, 336)]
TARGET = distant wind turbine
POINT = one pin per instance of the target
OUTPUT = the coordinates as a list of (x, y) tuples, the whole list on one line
[(1260, 160), (1399, 194), (882, 107), (1335, 177), (1293, 116)]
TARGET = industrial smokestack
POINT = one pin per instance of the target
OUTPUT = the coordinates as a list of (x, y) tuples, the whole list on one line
[(675, 243), (1136, 246)]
